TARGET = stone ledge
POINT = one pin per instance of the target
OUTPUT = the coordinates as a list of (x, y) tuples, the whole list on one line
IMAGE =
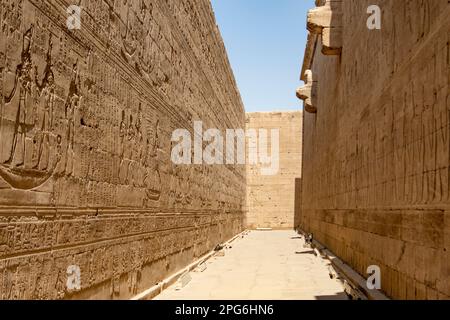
[(326, 20), (308, 92), (355, 284)]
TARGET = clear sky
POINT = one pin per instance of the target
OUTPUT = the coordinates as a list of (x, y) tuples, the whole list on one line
[(265, 41)]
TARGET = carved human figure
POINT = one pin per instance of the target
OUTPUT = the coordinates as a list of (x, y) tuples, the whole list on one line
[(131, 136), (72, 104), (122, 145), (138, 148), (58, 155), (152, 179), (138, 130), (46, 95), (22, 99), (122, 136)]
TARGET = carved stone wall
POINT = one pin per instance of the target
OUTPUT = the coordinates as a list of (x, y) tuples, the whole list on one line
[(86, 118), (271, 198), (376, 152)]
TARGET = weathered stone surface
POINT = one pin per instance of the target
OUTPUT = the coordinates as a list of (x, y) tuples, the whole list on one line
[(271, 198), (376, 154), (308, 93), (326, 21), (86, 118)]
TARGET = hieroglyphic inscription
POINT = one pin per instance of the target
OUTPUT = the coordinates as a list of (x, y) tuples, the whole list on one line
[(86, 118)]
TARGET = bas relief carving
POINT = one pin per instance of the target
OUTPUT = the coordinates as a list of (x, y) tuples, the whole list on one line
[(32, 144), (152, 180), (86, 118), (71, 106), (31, 148), (139, 160)]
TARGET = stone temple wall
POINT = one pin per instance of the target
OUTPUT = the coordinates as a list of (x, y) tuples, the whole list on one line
[(376, 141), (86, 119), (271, 198)]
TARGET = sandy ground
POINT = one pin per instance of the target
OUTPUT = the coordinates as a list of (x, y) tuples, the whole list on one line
[(264, 265)]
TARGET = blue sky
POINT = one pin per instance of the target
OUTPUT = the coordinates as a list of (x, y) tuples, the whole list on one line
[(265, 41)]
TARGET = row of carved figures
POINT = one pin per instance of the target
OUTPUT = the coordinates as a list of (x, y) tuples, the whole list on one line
[(31, 104), (31, 147)]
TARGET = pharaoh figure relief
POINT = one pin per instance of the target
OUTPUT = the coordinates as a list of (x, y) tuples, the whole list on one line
[(29, 147), (46, 99), (72, 104)]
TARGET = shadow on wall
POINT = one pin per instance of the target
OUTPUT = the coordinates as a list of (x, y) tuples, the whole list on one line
[(297, 203)]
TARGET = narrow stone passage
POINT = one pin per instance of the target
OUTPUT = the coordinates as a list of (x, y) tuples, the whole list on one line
[(266, 265)]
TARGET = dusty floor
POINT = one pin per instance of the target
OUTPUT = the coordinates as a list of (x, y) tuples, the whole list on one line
[(266, 265)]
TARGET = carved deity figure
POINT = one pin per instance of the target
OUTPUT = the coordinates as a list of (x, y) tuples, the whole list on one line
[(131, 135), (21, 97), (31, 157), (130, 144), (46, 95), (138, 145), (71, 106), (122, 146), (139, 137)]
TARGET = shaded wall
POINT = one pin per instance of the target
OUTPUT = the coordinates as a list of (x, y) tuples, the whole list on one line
[(271, 198), (376, 154), (298, 204), (86, 119)]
